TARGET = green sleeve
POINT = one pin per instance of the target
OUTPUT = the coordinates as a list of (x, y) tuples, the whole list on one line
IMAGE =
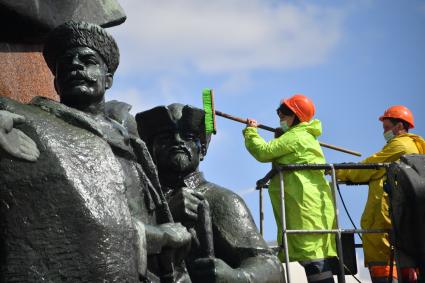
[(265, 151)]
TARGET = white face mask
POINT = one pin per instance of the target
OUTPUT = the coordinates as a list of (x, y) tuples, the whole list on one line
[(284, 125), (389, 135)]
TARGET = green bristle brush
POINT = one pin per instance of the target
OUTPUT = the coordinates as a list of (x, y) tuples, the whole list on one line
[(210, 125)]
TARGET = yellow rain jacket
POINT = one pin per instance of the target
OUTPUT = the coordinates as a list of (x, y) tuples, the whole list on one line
[(308, 196), (376, 215)]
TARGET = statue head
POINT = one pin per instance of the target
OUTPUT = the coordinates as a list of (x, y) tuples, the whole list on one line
[(175, 136), (83, 58)]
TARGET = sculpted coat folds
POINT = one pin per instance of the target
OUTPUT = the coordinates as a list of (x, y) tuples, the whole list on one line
[(80, 195), (89, 209), (228, 248)]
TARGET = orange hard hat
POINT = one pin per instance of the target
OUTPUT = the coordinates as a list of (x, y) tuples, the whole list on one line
[(399, 112), (301, 105)]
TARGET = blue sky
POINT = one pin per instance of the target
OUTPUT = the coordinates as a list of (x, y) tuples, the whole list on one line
[(354, 58)]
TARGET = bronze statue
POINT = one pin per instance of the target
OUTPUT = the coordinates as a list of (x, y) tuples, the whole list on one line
[(89, 209), (227, 246), (25, 26)]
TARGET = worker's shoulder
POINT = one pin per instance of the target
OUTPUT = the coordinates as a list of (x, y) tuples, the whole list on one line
[(299, 139), (410, 136), (291, 136)]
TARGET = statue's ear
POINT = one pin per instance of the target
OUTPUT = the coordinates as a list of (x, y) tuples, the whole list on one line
[(109, 80), (205, 142), (203, 152)]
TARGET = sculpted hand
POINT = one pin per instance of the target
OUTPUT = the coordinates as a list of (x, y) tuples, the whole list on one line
[(215, 270), (175, 235), (184, 205), (14, 141), (176, 240)]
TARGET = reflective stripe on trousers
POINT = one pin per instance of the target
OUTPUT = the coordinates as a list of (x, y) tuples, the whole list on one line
[(379, 272)]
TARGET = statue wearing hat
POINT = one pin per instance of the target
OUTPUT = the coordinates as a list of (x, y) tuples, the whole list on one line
[(80, 201), (227, 246)]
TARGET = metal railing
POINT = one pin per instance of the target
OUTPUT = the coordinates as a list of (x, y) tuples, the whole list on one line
[(262, 183)]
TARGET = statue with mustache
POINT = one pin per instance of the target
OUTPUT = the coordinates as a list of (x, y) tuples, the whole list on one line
[(89, 207), (226, 245)]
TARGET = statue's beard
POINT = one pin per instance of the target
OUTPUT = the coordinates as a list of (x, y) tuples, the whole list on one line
[(77, 99), (179, 160)]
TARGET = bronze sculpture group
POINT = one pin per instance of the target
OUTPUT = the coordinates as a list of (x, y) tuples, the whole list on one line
[(89, 193)]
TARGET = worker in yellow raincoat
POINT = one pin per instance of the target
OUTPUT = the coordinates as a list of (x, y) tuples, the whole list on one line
[(308, 198), (396, 120)]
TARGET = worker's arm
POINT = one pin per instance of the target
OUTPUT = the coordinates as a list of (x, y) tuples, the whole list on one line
[(265, 151), (390, 153)]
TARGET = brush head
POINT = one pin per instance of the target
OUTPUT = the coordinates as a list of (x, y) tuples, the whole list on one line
[(208, 102)]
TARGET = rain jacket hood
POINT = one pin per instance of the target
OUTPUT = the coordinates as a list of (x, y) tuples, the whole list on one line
[(419, 142), (314, 127)]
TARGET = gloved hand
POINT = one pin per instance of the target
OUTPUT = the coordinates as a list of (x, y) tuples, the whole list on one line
[(278, 132), (14, 141)]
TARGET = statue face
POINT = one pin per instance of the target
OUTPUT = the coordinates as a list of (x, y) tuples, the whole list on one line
[(177, 151), (81, 77)]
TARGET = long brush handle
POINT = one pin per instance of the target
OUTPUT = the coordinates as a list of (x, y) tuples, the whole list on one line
[(338, 148), (270, 129), (243, 121)]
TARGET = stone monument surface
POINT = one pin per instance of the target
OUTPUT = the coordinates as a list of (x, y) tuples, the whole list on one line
[(88, 208), (227, 246), (25, 25)]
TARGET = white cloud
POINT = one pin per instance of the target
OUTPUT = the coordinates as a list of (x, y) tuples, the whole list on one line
[(137, 99), (225, 35), (236, 83), (165, 90)]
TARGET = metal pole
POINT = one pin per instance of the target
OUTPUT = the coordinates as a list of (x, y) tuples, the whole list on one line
[(261, 212), (337, 231), (342, 231), (341, 275), (283, 222), (392, 237)]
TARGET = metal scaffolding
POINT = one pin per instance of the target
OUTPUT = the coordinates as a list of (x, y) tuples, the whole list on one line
[(262, 183)]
